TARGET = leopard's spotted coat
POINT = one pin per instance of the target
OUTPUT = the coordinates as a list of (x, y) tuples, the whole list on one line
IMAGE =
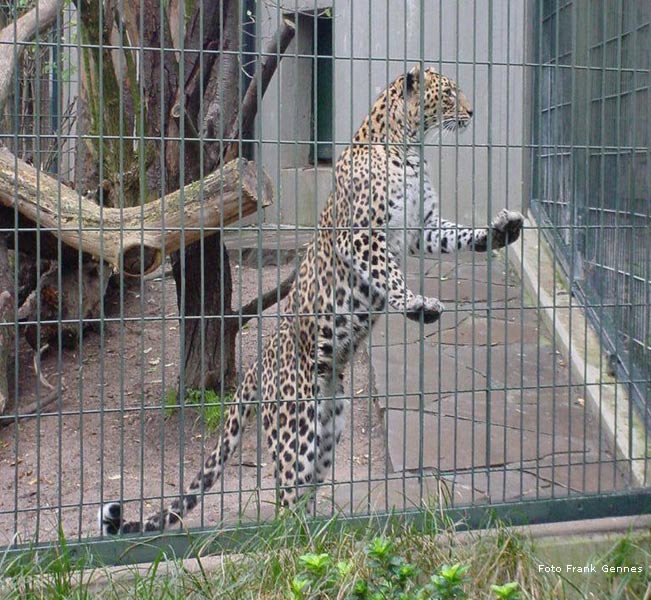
[(383, 207)]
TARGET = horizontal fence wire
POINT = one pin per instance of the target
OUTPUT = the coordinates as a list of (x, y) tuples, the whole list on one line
[(527, 400)]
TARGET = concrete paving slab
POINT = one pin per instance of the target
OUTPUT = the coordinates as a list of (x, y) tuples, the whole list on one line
[(582, 473), (514, 365), (412, 402), (481, 271), (398, 370), (451, 443), (510, 408), (531, 482), (499, 417), (452, 290), (460, 266), (491, 485), (397, 330), (482, 331)]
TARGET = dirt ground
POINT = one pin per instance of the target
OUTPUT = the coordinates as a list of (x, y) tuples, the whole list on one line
[(112, 438)]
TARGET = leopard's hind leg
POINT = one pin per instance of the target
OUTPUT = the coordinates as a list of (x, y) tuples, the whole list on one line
[(291, 437), (303, 445), (329, 427)]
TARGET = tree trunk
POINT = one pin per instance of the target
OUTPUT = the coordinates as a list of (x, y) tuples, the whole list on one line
[(209, 348), (209, 328), (203, 275)]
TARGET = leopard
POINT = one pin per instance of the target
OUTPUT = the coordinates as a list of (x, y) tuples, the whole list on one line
[(383, 207)]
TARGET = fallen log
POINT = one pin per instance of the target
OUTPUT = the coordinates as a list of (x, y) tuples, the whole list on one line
[(134, 240)]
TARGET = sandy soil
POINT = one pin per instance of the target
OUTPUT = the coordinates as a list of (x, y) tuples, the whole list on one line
[(111, 437)]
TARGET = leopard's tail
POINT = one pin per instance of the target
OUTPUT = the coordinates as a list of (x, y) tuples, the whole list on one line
[(111, 519)]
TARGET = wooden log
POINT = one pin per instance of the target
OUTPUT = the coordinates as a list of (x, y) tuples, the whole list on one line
[(134, 240)]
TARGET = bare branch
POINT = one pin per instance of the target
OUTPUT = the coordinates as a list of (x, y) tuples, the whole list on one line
[(33, 409), (6, 337), (250, 310), (242, 126), (13, 38)]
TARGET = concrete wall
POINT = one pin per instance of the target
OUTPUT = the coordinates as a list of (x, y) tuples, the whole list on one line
[(374, 41)]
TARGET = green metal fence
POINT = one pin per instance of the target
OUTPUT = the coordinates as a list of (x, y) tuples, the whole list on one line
[(506, 407), (591, 170)]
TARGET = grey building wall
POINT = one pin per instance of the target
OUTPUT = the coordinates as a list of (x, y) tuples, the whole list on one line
[(374, 41)]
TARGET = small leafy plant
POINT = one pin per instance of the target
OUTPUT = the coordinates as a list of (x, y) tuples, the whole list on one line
[(448, 582), (508, 591), (385, 575), (210, 410)]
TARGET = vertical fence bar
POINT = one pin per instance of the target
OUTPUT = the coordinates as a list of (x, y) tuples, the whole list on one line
[(489, 278), (646, 328), (475, 389), (602, 212), (15, 120), (586, 218), (506, 151)]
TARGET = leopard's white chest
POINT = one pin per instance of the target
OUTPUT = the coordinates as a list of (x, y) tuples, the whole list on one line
[(413, 201)]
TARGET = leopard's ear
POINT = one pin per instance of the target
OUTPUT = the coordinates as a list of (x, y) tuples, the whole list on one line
[(412, 80)]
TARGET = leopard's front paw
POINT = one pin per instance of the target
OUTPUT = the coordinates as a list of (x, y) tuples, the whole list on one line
[(430, 308), (506, 228)]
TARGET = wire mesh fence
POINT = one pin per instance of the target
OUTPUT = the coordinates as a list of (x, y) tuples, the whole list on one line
[(144, 271), (593, 182)]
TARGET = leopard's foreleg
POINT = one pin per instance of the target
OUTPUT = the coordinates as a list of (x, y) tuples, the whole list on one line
[(368, 254), (447, 237)]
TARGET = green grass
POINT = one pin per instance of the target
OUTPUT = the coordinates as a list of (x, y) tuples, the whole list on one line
[(355, 561), (206, 403)]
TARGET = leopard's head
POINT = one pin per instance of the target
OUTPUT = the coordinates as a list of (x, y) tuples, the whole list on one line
[(444, 105)]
